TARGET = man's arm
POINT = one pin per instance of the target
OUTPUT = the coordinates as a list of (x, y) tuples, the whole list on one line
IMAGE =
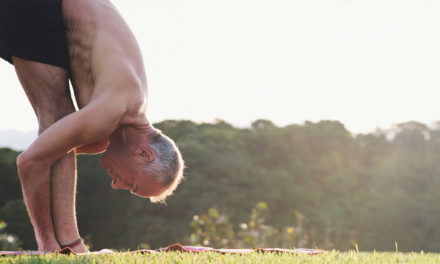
[(90, 124)]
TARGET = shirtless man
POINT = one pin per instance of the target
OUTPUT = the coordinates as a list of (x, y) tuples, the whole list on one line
[(108, 76)]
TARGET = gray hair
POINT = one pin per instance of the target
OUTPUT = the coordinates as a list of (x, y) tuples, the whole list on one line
[(167, 167)]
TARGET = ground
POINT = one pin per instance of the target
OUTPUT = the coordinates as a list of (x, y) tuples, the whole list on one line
[(176, 257)]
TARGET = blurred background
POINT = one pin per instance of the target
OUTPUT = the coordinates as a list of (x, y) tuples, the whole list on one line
[(302, 124)]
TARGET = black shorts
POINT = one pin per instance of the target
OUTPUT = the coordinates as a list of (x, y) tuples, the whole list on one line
[(33, 30)]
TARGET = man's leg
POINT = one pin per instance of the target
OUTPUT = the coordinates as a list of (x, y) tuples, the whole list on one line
[(47, 89)]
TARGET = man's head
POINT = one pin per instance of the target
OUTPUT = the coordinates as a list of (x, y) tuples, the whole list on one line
[(144, 161)]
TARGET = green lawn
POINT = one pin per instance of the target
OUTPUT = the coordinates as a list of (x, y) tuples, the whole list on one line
[(176, 257)]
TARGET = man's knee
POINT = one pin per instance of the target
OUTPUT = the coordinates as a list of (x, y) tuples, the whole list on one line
[(47, 89)]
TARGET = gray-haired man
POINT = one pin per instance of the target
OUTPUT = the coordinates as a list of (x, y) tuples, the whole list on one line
[(105, 66)]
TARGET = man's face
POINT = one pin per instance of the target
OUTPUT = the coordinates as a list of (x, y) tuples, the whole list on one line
[(124, 163)]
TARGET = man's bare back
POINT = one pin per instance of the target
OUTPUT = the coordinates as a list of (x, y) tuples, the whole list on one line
[(100, 61)]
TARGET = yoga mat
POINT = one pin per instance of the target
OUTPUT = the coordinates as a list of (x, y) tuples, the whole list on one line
[(175, 247)]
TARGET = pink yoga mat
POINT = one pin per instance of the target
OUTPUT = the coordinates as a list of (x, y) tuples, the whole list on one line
[(176, 247)]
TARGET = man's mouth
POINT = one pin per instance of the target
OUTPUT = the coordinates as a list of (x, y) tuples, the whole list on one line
[(118, 181), (113, 176), (134, 189), (114, 181)]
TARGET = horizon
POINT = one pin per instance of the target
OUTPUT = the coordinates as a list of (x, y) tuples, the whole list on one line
[(21, 139)]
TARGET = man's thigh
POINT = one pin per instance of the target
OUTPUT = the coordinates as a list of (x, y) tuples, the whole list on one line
[(47, 89)]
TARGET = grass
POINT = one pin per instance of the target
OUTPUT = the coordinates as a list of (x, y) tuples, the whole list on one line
[(177, 257)]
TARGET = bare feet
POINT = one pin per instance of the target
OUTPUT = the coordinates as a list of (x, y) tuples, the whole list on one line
[(77, 246), (49, 247), (80, 248)]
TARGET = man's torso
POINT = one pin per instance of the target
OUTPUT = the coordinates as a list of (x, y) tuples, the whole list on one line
[(103, 51)]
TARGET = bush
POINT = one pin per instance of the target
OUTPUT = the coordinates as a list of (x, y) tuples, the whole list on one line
[(256, 233), (214, 229), (8, 241)]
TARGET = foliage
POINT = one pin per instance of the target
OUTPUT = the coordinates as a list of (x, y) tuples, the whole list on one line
[(213, 229), (14, 213), (256, 233), (7, 241), (323, 187)]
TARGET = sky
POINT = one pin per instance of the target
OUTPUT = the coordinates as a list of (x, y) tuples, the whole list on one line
[(367, 63)]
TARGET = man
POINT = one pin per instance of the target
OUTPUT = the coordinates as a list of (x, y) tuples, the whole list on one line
[(109, 80)]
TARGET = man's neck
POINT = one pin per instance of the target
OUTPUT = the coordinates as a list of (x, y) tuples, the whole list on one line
[(145, 129)]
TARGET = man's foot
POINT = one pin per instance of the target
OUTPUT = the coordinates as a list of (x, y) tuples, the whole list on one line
[(49, 247), (80, 248), (77, 246)]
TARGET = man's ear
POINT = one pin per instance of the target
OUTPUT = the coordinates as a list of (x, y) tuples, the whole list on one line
[(146, 153)]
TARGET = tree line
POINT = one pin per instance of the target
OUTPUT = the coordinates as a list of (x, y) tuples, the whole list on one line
[(330, 188)]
